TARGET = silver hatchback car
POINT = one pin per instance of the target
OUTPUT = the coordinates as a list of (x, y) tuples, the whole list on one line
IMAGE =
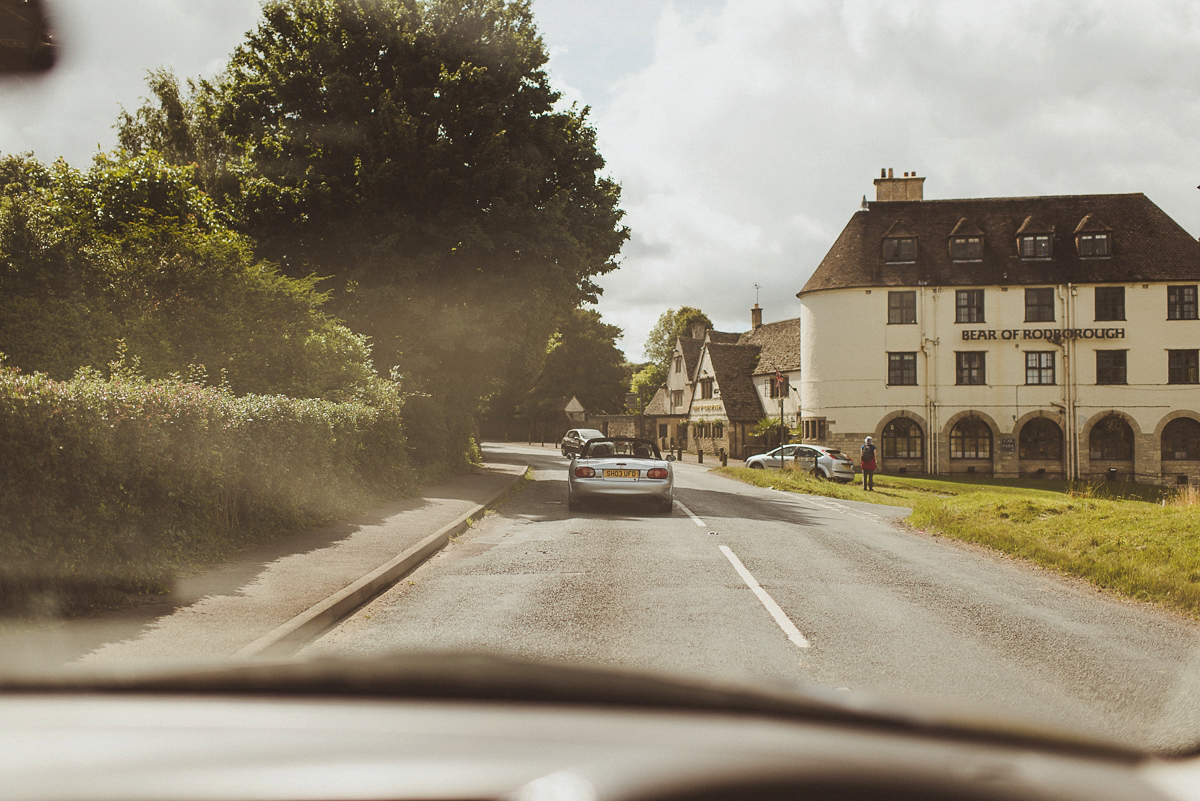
[(621, 467), (819, 460)]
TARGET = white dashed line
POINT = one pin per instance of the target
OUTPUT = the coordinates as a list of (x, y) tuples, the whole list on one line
[(781, 618), (690, 514)]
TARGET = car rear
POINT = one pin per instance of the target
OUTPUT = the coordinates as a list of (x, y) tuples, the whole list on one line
[(839, 465), (620, 476)]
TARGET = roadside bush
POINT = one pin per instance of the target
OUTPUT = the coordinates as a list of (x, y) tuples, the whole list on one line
[(113, 485)]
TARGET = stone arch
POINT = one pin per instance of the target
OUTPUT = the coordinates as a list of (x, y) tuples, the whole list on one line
[(1086, 432), (1170, 416), (1185, 442), (1116, 448), (889, 455), (953, 420)]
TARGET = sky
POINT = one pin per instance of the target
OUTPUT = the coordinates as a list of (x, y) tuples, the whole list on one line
[(745, 133)]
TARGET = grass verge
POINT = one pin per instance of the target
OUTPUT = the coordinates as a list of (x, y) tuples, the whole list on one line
[(1134, 540)]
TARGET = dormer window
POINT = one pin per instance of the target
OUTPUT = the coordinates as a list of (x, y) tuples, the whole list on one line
[(966, 248), (1099, 244), (900, 249), (1034, 246)]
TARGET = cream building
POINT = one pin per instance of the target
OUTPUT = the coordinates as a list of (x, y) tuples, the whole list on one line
[(1042, 336)]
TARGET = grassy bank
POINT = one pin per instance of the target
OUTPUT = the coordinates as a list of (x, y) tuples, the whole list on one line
[(1131, 539)]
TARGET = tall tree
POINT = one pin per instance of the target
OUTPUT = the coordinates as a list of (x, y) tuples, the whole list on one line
[(583, 360), (414, 151)]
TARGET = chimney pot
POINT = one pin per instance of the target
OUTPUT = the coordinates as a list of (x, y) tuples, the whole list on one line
[(889, 172), (756, 317)]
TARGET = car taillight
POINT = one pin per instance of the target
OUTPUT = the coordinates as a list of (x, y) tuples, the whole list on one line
[(584, 472), (656, 472)]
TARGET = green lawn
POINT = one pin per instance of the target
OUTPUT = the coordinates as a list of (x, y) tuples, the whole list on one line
[(1136, 540)]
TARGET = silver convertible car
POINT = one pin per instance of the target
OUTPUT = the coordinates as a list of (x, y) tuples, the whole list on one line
[(621, 467)]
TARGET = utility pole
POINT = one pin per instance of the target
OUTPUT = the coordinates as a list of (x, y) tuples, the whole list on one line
[(779, 379)]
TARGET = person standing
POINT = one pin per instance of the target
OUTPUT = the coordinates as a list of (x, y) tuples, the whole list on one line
[(867, 462)]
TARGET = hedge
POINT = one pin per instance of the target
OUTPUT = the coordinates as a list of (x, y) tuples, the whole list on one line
[(112, 485)]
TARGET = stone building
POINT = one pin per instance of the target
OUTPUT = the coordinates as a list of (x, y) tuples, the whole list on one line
[(1036, 336)]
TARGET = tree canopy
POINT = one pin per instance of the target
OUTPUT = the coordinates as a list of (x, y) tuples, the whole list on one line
[(583, 360), (414, 151), (132, 257)]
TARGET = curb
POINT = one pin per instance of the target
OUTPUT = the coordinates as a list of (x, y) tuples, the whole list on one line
[(286, 639)]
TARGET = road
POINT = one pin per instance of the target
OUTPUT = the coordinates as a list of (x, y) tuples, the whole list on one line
[(847, 597)]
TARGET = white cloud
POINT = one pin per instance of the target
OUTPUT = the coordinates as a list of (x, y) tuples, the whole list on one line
[(747, 142)]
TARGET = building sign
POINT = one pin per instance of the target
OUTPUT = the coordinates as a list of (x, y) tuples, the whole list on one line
[(1008, 444), (1046, 334)]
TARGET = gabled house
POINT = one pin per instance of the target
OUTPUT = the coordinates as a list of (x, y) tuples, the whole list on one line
[(720, 384)]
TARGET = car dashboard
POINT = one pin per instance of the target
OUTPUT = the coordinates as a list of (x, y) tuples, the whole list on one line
[(173, 740)]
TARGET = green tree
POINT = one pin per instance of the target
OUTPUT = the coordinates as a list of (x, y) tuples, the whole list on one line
[(131, 254), (660, 345), (583, 360), (412, 150)]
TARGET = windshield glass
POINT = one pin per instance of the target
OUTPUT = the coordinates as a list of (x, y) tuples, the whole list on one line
[(287, 287)]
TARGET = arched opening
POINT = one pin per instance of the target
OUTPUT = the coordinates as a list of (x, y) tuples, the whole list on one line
[(903, 438), (1181, 440), (971, 438), (1041, 440), (1111, 440)]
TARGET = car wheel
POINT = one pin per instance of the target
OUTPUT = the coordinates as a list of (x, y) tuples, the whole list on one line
[(665, 507), (566, 454), (818, 474), (756, 466)]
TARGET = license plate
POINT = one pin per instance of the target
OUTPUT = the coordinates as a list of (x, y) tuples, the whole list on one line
[(620, 474)]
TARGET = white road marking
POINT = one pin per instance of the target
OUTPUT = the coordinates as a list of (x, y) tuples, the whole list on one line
[(690, 514), (781, 618)]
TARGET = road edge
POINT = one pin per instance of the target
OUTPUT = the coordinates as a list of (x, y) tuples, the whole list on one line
[(289, 637)]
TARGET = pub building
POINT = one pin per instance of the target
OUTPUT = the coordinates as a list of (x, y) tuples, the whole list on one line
[(1030, 336)]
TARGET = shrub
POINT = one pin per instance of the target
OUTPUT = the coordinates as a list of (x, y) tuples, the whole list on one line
[(111, 485)]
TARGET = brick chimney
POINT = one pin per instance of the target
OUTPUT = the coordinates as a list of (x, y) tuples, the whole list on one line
[(888, 187), (755, 316), (698, 330)]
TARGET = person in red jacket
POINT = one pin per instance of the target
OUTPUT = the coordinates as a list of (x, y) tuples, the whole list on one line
[(867, 461)]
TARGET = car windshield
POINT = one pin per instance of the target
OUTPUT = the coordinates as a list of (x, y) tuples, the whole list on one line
[(291, 289), (635, 449)]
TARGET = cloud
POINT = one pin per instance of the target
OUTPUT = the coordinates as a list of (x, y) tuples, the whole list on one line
[(749, 139), (108, 46)]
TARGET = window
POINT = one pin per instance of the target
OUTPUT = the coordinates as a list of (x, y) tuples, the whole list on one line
[(1035, 246), (968, 306), (1039, 367), (900, 249), (1181, 440), (902, 438), (969, 367), (662, 430), (706, 387), (1110, 367), (1094, 244), (679, 364), (677, 397), (718, 430), (1111, 439), (814, 428), (1041, 438), (902, 369), (966, 248), (1182, 367), (902, 307), (971, 438), (1110, 303), (1181, 302), (1039, 305)]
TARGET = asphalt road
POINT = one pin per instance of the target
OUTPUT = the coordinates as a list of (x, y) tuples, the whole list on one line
[(860, 603)]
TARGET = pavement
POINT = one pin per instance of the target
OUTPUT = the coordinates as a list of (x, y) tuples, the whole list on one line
[(271, 599)]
